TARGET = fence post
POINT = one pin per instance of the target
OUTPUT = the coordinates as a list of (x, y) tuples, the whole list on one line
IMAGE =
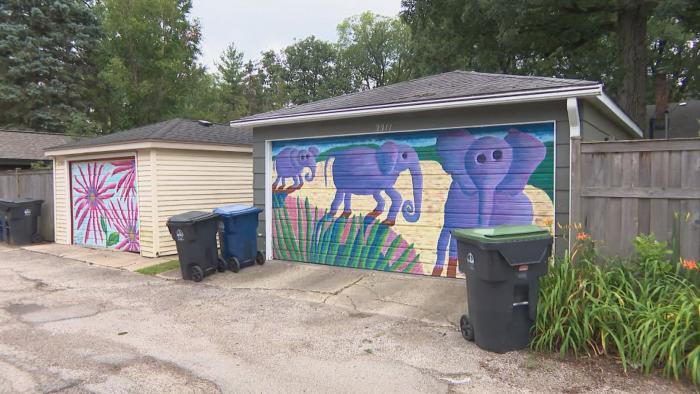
[(575, 214)]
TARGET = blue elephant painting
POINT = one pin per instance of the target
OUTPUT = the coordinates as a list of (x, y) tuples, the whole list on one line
[(390, 201)]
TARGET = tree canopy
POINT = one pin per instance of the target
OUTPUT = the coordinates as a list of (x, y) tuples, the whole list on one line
[(95, 66)]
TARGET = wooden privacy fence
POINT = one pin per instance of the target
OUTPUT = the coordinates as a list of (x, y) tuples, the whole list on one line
[(34, 184), (621, 189)]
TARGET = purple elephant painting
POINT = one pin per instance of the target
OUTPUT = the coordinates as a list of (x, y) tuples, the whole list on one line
[(409, 190), (370, 171), (290, 163), (489, 175)]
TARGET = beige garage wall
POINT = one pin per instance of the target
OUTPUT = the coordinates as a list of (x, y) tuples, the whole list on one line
[(195, 180), (170, 181), (61, 201)]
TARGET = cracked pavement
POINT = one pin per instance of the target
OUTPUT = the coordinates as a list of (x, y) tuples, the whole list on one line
[(69, 327)]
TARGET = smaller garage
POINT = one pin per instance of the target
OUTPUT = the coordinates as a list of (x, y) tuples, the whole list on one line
[(117, 191)]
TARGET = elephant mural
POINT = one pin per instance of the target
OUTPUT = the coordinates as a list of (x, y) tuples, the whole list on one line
[(489, 175), (290, 163), (436, 180), (369, 171)]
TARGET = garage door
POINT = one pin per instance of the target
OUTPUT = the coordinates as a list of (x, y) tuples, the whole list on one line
[(104, 204), (388, 202)]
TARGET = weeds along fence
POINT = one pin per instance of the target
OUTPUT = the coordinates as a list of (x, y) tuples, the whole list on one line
[(621, 189), (34, 184)]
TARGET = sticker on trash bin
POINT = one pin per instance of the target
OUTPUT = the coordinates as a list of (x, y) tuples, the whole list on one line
[(470, 260), (27, 212), (179, 235)]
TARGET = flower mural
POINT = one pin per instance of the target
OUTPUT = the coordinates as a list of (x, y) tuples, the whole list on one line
[(390, 201), (126, 222), (105, 205), (93, 191), (127, 181)]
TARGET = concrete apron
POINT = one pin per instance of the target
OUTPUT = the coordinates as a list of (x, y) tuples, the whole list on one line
[(103, 257), (438, 301)]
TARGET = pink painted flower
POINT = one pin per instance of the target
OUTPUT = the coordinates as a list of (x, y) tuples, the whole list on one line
[(126, 222), (92, 196), (126, 183)]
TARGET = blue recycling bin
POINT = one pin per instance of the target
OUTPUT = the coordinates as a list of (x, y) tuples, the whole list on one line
[(238, 232)]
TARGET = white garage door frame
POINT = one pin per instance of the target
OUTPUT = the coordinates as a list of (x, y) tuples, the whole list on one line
[(268, 164), (83, 158)]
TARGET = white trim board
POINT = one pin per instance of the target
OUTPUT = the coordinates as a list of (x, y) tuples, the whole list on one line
[(132, 146)]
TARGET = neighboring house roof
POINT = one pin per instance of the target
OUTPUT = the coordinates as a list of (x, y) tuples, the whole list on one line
[(684, 120), (27, 145), (174, 130), (449, 90)]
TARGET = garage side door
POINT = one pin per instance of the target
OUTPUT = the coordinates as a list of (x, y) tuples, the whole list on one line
[(104, 204), (389, 202)]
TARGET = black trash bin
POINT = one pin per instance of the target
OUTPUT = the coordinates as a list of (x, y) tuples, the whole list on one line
[(503, 265), (20, 220), (194, 233)]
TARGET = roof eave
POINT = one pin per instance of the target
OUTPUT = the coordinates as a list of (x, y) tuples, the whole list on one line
[(145, 144), (623, 119), (457, 102)]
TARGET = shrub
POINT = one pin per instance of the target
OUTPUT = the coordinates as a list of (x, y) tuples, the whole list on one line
[(644, 311)]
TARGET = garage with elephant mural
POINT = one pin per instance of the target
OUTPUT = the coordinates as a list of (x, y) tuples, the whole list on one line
[(389, 201)]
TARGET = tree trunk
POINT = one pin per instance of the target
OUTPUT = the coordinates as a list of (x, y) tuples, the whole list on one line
[(632, 30)]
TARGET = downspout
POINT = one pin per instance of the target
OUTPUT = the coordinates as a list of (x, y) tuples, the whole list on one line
[(574, 134)]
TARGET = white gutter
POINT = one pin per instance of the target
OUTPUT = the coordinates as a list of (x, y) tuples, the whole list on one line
[(133, 146), (574, 118), (540, 95)]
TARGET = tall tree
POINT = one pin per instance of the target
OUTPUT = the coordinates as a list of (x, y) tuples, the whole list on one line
[(375, 48), (148, 63), (312, 71), (598, 39), (232, 73), (46, 62)]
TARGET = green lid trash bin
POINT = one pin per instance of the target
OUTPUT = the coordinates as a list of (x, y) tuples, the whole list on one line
[(503, 265), (19, 220)]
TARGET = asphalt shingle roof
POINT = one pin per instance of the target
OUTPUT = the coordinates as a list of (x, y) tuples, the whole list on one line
[(455, 84), (28, 145), (174, 130)]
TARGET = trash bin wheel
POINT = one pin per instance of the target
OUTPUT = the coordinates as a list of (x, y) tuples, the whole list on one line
[(465, 326), (221, 264), (196, 273), (37, 238), (234, 265), (259, 258)]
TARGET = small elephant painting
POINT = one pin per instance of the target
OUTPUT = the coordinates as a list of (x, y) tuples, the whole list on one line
[(390, 201)]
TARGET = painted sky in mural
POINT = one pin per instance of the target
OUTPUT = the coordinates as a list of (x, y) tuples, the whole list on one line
[(356, 196), (104, 204)]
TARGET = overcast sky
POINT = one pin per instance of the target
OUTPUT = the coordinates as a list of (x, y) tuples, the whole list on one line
[(258, 25)]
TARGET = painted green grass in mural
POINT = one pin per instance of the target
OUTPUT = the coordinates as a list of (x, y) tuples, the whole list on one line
[(319, 239), (159, 268)]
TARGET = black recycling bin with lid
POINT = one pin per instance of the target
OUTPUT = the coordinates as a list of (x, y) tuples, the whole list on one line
[(194, 233), (19, 220), (503, 265), (238, 233)]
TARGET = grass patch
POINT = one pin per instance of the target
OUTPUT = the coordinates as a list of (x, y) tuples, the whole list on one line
[(159, 268)]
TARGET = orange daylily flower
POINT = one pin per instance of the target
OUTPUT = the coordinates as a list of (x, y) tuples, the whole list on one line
[(690, 264), (583, 236)]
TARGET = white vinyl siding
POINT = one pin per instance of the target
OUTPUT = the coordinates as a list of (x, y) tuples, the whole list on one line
[(198, 180)]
